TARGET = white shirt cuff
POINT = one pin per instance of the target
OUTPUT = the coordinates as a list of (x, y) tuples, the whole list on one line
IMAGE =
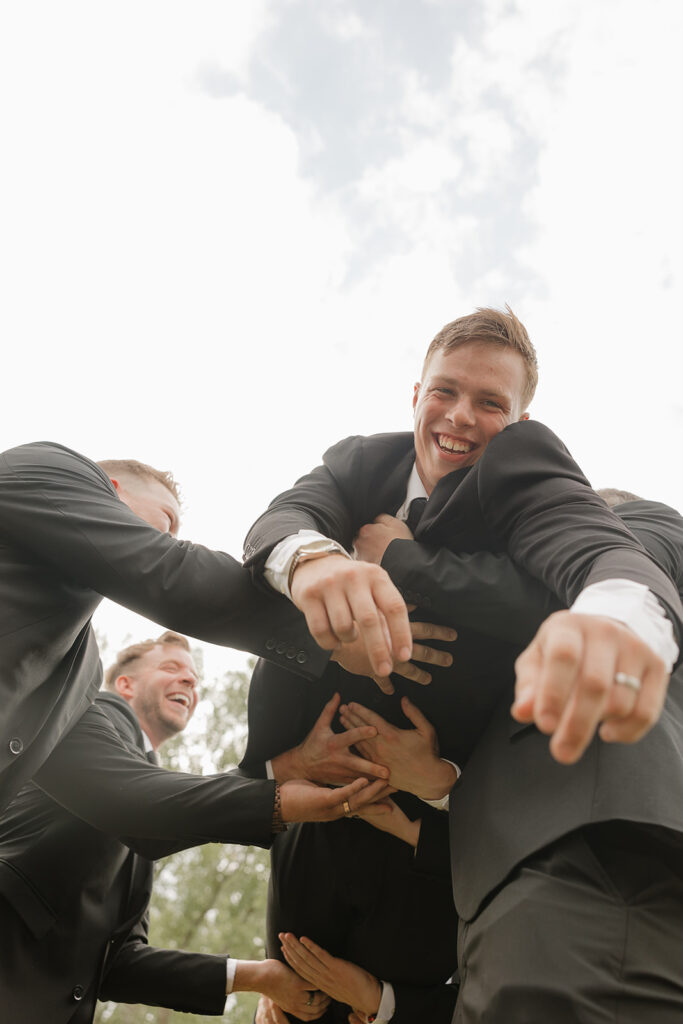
[(270, 774), (637, 607), (387, 1004), (279, 561), (230, 970)]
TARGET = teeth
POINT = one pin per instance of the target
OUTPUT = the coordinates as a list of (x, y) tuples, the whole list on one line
[(451, 445), (180, 698)]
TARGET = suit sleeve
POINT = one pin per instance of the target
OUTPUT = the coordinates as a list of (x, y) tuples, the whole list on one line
[(535, 497), (62, 509), (94, 775), (322, 501), (187, 982)]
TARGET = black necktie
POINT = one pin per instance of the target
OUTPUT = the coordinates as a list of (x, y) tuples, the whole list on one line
[(415, 511), (152, 757)]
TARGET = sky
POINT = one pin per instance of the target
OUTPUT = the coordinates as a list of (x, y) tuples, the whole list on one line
[(229, 230)]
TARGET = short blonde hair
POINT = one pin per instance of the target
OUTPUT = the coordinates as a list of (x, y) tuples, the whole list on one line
[(129, 655), (132, 469), (495, 327)]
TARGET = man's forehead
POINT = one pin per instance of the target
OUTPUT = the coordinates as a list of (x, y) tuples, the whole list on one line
[(485, 386), (489, 366), (161, 653)]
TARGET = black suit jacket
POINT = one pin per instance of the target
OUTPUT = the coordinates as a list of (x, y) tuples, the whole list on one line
[(73, 899), (66, 541), (525, 496)]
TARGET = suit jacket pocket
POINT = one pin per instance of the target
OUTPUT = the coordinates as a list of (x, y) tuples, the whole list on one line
[(38, 916)]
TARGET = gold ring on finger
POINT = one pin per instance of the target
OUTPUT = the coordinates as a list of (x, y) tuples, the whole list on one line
[(347, 809)]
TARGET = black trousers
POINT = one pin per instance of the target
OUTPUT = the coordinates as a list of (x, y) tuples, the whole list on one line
[(356, 892), (587, 931)]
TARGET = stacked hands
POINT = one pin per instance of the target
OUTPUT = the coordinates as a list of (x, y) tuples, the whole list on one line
[(566, 678), (322, 977), (567, 684)]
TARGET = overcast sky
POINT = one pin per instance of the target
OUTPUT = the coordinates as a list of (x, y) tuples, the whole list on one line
[(230, 229)]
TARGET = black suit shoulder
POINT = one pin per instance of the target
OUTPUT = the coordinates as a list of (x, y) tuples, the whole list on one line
[(346, 491)]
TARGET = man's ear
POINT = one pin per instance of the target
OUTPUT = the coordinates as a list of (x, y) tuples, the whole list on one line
[(125, 687), (416, 394), (524, 416)]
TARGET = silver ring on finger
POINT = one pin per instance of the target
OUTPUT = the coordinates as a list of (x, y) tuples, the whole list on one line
[(624, 679)]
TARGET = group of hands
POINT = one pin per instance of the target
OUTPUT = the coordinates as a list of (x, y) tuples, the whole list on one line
[(565, 685), (396, 759)]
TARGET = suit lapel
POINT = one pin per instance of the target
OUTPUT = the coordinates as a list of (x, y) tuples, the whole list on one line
[(452, 517)]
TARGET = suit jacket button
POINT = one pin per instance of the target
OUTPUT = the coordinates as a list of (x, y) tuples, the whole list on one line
[(409, 596), (290, 653), (16, 745), (302, 657), (270, 644), (280, 648), (78, 993)]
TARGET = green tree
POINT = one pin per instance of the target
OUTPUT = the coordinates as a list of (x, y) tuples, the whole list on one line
[(210, 899)]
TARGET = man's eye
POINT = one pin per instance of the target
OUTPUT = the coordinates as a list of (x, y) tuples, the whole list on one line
[(493, 405)]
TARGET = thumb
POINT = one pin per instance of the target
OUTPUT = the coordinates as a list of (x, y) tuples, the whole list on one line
[(328, 712), (414, 715)]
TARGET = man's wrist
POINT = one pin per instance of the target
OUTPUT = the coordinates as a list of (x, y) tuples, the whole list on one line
[(250, 976), (440, 782), (311, 553), (288, 766)]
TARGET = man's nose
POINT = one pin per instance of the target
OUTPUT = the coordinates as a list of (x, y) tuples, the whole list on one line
[(461, 412)]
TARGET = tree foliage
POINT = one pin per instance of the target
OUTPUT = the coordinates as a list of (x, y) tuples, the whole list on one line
[(210, 899)]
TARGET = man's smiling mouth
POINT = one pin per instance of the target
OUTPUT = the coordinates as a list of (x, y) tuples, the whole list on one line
[(180, 698), (454, 445)]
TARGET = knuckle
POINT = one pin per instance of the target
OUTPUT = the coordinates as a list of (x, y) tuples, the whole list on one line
[(366, 618), (594, 685), (564, 652)]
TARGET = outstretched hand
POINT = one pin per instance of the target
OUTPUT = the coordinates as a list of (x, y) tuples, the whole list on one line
[(567, 683), (342, 980), (342, 599), (411, 755), (283, 987), (324, 756), (353, 657), (305, 801)]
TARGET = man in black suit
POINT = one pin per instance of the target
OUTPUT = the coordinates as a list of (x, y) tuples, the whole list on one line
[(73, 899), (72, 532), (497, 485)]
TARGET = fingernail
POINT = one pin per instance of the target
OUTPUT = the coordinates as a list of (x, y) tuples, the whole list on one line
[(523, 695), (404, 654), (384, 668)]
